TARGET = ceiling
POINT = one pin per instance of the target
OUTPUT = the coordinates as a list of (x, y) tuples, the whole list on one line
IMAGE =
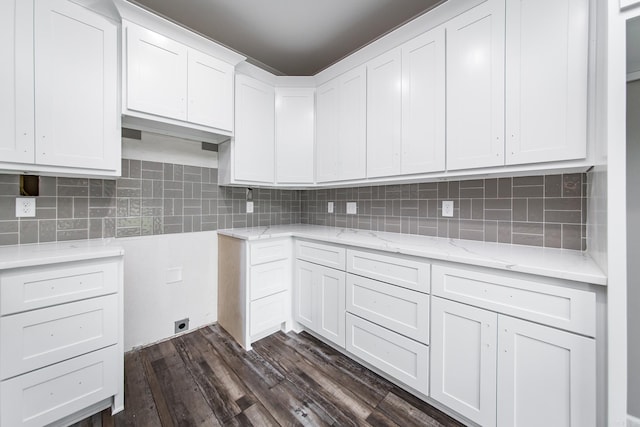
[(291, 37)]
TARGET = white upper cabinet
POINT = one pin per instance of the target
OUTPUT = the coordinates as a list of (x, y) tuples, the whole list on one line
[(475, 87), (341, 116), (423, 103), (60, 112), (179, 86), (156, 74), (327, 115), (295, 135), (546, 80), (384, 114), (16, 82), (252, 151), (209, 91)]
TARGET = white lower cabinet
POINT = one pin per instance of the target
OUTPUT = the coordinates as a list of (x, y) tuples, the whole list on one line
[(498, 370), (319, 300), (394, 354)]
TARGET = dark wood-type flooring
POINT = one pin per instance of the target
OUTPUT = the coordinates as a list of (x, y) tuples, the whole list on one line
[(205, 378)]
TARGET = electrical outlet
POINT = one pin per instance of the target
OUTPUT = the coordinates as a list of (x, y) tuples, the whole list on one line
[(181, 325), (249, 207), (447, 208), (330, 207), (352, 208), (25, 207)]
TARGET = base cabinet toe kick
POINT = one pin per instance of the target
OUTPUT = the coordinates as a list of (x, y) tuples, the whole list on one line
[(488, 346), (61, 341)]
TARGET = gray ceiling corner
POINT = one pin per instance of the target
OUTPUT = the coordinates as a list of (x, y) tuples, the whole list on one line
[(287, 37)]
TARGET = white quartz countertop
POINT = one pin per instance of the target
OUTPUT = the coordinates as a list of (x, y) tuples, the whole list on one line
[(557, 263), (55, 252)]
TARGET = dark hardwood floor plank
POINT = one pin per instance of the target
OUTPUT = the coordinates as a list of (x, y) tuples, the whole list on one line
[(338, 400), (138, 396), (257, 415), (186, 404), (164, 415), (422, 406), (396, 408)]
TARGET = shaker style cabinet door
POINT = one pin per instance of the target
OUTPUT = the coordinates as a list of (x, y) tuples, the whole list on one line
[(76, 87), (384, 114), (352, 133), (463, 359), (327, 145), (423, 103), (210, 91), (546, 80), (156, 74), (16, 82), (475, 87), (545, 376), (295, 135), (254, 131)]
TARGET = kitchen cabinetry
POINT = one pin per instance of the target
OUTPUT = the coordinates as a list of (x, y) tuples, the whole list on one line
[(546, 80), (341, 130), (61, 342), (498, 370), (475, 87), (254, 282), (249, 157), (423, 103), (319, 290), (295, 135), (170, 80), (384, 114), (59, 104)]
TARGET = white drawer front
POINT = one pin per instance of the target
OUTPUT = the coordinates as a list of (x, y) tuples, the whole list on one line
[(270, 250), (46, 395), (320, 253), (35, 287), (43, 337), (270, 278), (269, 312), (398, 356), (553, 305), (402, 271), (401, 310)]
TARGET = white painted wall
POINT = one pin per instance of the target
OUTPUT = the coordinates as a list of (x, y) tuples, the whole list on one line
[(633, 247), (151, 305)]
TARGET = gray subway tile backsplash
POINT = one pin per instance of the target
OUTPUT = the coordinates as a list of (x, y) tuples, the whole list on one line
[(160, 198)]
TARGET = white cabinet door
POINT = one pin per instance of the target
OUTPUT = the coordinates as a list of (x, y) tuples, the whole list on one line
[(330, 301), (209, 91), (327, 145), (423, 103), (254, 146), (545, 376), (384, 103), (475, 87), (16, 82), (463, 359), (303, 298), (546, 86), (156, 74), (76, 88), (319, 300), (352, 130), (294, 135)]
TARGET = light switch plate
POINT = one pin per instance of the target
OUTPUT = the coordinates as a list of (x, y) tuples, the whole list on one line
[(352, 208), (25, 207), (249, 207), (447, 208), (330, 207)]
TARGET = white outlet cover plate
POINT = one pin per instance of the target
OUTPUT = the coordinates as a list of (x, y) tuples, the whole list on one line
[(330, 207), (249, 207), (447, 208), (352, 208), (25, 207)]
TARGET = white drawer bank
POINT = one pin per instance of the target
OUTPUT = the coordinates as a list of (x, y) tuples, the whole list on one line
[(495, 335), (61, 348)]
